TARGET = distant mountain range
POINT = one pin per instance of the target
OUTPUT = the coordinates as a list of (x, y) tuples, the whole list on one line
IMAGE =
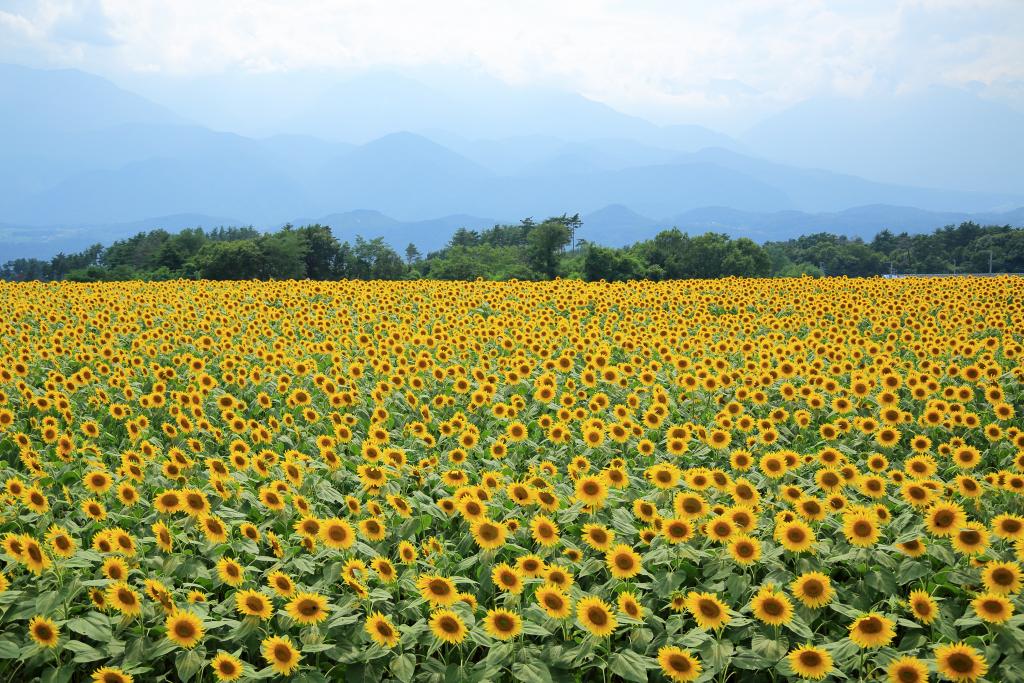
[(82, 160), (613, 225)]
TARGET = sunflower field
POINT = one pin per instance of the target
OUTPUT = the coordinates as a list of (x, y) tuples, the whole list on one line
[(748, 480)]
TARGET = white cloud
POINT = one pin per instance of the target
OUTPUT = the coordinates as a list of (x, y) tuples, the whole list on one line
[(654, 56)]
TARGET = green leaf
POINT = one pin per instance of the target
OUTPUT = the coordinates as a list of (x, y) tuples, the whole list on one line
[(717, 653), (188, 664), (403, 667), (531, 672), (90, 628), (911, 571), (57, 675), (9, 649), (769, 649), (84, 652), (800, 627), (631, 666), (751, 661)]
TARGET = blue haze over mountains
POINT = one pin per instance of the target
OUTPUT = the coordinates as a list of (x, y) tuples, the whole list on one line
[(83, 161)]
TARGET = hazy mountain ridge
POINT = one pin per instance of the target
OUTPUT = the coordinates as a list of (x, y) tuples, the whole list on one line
[(112, 158)]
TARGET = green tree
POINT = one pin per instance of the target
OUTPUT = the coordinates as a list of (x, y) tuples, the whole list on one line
[(236, 260), (544, 245), (612, 265)]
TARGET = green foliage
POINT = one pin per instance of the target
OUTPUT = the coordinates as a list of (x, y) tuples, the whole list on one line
[(544, 245), (525, 251), (612, 265)]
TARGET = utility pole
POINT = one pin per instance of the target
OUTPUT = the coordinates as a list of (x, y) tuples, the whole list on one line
[(989, 261)]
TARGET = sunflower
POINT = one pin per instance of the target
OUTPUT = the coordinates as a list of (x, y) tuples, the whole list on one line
[(307, 608), (381, 630), (861, 530), (745, 549), (279, 652), (720, 529), (487, 534), (230, 572), (923, 606), (552, 600), (592, 491), (34, 557), (813, 589), (124, 599), (226, 667), (810, 662), (437, 590), (503, 624), (373, 529), (531, 566), (971, 539), (944, 519), (385, 570), (676, 530), (163, 537), (907, 670), (596, 616), (629, 605), (506, 578), (61, 542), (253, 604), (995, 609), (1002, 578), (623, 562), (960, 662), (43, 631), (771, 607), (795, 536), (184, 629), (448, 626), (678, 664), (115, 568), (690, 506), (214, 528), (597, 536), (407, 553), (872, 630), (1010, 527), (337, 533), (281, 584), (110, 674), (707, 610), (914, 548), (544, 530)]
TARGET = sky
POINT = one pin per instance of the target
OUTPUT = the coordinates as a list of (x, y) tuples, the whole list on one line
[(673, 61)]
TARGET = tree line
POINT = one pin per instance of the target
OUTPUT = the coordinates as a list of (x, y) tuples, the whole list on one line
[(528, 250)]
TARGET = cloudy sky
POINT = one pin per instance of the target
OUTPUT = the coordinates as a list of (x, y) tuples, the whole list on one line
[(671, 60)]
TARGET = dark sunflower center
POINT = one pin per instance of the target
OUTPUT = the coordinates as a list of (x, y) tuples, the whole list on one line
[(679, 664), (709, 609), (810, 659), (1002, 576), (871, 625), (184, 629), (960, 662), (970, 537)]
